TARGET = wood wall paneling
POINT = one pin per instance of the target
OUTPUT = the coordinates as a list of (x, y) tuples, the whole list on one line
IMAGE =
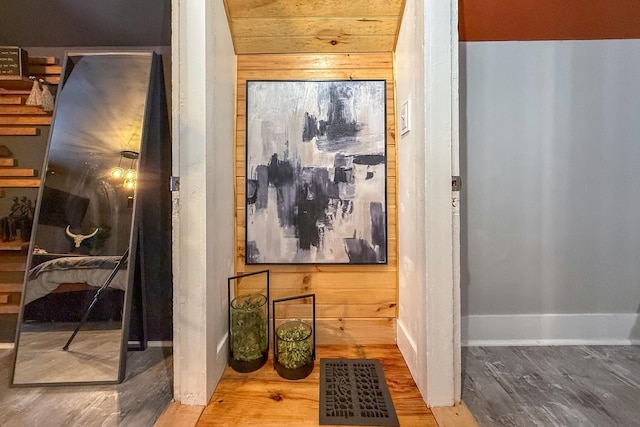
[(326, 26), (355, 304)]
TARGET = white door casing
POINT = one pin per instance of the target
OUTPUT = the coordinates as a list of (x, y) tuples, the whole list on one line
[(203, 67), (429, 304)]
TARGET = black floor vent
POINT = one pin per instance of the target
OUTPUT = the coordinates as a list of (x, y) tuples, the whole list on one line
[(355, 392)]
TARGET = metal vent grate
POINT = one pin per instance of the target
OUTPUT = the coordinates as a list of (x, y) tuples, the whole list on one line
[(355, 392)]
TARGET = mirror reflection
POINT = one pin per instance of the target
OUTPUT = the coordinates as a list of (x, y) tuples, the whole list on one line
[(73, 324)]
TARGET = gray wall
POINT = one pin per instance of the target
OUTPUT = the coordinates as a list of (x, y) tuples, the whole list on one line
[(85, 23), (550, 144)]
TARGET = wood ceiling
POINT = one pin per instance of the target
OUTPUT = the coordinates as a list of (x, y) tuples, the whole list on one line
[(314, 26)]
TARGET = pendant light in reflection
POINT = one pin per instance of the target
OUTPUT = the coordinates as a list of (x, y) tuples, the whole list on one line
[(130, 175)]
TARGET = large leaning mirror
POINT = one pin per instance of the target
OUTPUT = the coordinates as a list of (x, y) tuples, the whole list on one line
[(73, 325)]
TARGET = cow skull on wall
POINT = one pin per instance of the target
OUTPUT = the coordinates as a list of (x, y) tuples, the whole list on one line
[(79, 238)]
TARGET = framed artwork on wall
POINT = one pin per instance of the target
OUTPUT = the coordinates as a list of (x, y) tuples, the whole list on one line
[(316, 168)]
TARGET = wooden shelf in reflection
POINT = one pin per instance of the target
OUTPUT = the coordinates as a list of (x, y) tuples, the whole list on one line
[(20, 182), (13, 245), (17, 118), (13, 258)]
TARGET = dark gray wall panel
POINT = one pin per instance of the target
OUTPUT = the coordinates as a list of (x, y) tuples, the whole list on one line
[(85, 23)]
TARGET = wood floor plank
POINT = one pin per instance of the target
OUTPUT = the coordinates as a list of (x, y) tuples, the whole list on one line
[(481, 392), (262, 398), (179, 415), (553, 386), (454, 416), (138, 401)]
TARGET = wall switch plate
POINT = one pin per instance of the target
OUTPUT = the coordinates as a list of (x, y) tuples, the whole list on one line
[(405, 117)]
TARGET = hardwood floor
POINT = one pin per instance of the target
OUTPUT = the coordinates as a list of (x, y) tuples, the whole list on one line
[(553, 386), (262, 398), (138, 401)]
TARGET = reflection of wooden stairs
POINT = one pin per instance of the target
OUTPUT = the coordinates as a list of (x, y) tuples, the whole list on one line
[(12, 176), (16, 118), (12, 268)]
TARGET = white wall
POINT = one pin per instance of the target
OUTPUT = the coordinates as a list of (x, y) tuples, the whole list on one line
[(203, 122), (551, 150), (412, 278), (426, 75)]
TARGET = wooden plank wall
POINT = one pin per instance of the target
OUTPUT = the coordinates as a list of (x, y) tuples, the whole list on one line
[(355, 304)]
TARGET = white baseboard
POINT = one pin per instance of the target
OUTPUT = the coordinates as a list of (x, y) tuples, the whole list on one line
[(407, 347), (551, 329), (6, 345)]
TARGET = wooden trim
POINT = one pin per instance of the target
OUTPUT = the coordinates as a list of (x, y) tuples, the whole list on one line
[(17, 172), (499, 20), (42, 60), (454, 416), (290, 25), (11, 100), (14, 83), (308, 62), (6, 161), (13, 245), (22, 110), (11, 287), (13, 266), (19, 183), (179, 415), (327, 44), (45, 69), (9, 309), (25, 120), (50, 79), (18, 131), (22, 92)]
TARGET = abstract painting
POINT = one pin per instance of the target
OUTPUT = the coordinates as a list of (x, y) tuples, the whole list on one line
[(316, 172)]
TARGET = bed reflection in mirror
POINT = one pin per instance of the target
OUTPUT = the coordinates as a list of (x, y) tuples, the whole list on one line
[(80, 269)]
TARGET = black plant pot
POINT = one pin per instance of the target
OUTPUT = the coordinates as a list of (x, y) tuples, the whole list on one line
[(245, 366), (249, 345), (294, 349), (294, 373)]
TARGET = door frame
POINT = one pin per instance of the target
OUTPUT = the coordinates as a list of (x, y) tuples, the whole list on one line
[(202, 64)]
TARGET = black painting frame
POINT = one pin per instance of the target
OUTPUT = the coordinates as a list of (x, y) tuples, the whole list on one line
[(301, 146)]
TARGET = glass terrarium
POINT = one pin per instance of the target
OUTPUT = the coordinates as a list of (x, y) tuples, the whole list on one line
[(294, 344), (248, 329)]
